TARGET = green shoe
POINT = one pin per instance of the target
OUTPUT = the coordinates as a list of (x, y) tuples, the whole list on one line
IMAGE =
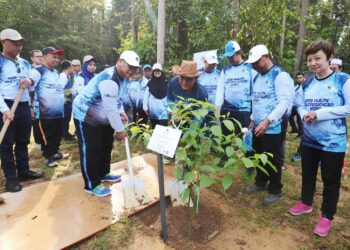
[(99, 191)]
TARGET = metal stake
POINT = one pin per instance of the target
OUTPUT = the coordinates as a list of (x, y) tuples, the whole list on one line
[(162, 196)]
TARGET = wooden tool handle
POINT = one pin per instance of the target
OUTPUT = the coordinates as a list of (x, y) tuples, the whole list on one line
[(12, 111)]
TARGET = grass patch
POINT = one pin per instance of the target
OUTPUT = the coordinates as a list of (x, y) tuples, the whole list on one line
[(117, 236)]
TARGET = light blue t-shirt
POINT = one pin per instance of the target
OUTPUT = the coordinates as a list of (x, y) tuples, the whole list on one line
[(134, 92), (158, 108), (49, 96), (272, 97), (234, 87), (99, 103), (330, 99), (11, 73), (143, 85), (210, 82)]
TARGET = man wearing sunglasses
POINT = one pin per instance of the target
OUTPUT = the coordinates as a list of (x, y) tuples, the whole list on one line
[(14, 75)]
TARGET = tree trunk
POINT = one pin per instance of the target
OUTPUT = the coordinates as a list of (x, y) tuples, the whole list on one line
[(161, 31), (134, 21), (302, 31), (283, 35), (235, 14)]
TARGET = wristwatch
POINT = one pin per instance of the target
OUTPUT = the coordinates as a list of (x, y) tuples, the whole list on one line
[(270, 120)]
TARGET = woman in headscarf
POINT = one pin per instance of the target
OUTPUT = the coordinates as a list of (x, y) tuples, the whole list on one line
[(87, 73), (155, 101)]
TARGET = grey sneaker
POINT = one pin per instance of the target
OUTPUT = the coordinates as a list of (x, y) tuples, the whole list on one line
[(253, 189), (272, 198)]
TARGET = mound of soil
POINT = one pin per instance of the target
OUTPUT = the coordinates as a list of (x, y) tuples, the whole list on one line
[(205, 225)]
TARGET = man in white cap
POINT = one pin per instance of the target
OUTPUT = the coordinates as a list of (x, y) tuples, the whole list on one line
[(336, 65), (98, 114), (272, 97), (210, 75), (76, 67), (15, 75), (233, 95)]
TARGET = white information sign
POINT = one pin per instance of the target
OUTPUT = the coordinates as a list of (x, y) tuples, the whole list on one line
[(164, 140), (199, 57)]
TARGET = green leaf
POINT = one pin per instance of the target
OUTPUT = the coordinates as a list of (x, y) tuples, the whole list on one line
[(216, 130), (239, 142), (178, 173), (205, 181), (188, 178), (262, 169), (231, 169), (185, 195), (263, 158), (181, 154), (216, 161), (230, 162), (207, 168), (230, 151), (247, 162), (226, 181), (229, 125)]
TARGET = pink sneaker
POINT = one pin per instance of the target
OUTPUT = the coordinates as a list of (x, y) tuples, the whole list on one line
[(323, 226), (300, 208)]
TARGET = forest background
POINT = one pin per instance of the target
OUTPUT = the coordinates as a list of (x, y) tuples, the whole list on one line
[(107, 27)]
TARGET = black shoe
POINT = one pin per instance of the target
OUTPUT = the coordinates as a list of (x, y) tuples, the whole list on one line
[(29, 175), (13, 186), (51, 162), (60, 156)]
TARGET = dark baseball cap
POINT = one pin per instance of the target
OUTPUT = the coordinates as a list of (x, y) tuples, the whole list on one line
[(52, 50)]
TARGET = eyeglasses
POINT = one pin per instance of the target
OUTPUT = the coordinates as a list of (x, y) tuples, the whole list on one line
[(187, 79)]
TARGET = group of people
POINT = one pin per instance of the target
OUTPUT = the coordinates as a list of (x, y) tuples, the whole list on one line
[(256, 92)]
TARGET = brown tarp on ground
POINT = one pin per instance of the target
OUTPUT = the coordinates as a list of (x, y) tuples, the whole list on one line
[(58, 213)]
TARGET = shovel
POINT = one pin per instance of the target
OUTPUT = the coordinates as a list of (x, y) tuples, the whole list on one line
[(13, 109), (133, 188)]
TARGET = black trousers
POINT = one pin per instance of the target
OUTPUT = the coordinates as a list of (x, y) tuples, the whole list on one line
[(36, 131), (140, 116), (331, 167), (154, 122), (95, 147), (242, 116), (294, 127), (18, 134), (52, 135), (67, 118), (272, 143)]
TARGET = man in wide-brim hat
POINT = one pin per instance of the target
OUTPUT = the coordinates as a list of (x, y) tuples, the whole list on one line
[(186, 85)]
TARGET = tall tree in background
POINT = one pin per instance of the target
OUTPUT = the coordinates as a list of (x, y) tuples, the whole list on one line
[(302, 32), (161, 31)]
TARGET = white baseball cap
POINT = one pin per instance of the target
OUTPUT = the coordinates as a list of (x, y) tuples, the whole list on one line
[(257, 52), (10, 34), (157, 66), (337, 61), (88, 58), (76, 62), (131, 58), (211, 58)]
